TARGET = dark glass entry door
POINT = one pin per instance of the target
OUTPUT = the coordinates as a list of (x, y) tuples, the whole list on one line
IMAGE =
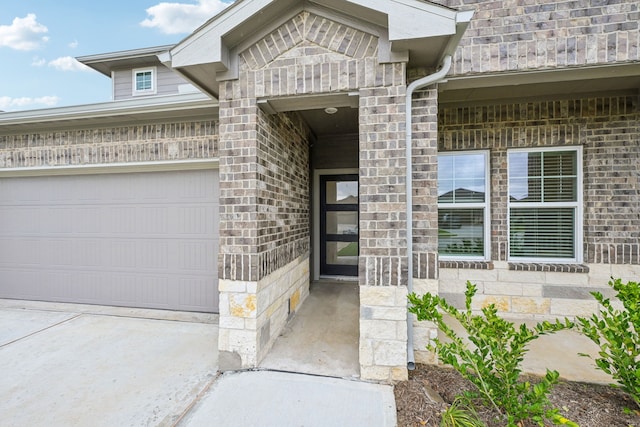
[(339, 225)]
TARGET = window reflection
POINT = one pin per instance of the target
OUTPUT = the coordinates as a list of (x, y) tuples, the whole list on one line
[(342, 192)]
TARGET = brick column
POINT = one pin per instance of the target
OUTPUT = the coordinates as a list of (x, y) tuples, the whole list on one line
[(425, 209), (264, 226), (383, 245), (238, 258)]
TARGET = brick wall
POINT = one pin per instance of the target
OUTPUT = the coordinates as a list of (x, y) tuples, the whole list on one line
[(425, 173), (283, 217), (121, 144), (607, 128), (509, 35), (264, 190), (312, 54)]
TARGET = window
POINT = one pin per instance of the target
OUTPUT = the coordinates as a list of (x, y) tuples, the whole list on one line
[(545, 213), (463, 205), (144, 81)]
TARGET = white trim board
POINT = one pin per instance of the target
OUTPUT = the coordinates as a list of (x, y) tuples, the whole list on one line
[(107, 168)]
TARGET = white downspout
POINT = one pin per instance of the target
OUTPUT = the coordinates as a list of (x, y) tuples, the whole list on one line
[(418, 84)]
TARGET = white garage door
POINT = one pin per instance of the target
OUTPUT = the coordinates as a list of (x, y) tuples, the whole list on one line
[(129, 239)]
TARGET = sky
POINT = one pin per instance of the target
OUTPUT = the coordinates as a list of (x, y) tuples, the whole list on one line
[(40, 39)]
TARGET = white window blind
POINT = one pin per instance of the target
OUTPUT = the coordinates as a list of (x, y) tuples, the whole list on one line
[(544, 208)]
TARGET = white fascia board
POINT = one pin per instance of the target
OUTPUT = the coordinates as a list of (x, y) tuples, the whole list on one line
[(111, 168), (205, 45), (463, 19), (125, 54), (129, 106), (411, 19)]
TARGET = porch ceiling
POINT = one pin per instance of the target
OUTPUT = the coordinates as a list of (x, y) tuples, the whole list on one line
[(344, 121), (313, 109)]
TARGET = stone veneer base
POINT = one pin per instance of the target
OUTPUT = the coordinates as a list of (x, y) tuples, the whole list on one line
[(252, 314)]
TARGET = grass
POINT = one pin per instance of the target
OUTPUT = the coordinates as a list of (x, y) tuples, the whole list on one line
[(350, 250)]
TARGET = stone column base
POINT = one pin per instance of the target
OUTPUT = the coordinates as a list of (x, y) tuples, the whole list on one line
[(252, 314), (383, 333)]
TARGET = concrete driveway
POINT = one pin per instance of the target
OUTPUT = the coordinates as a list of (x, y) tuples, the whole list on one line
[(73, 365)]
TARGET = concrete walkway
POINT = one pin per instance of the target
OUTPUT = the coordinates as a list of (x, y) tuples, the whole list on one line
[(323, 337), (280, 399)]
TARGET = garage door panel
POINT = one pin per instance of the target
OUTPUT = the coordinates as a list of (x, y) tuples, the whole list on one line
[(192, 290), (195, 256), (19, 282), (121, 220), (58, 252), (57, 220), (25, 252), (20, 220), (140, 240), (123, 254)]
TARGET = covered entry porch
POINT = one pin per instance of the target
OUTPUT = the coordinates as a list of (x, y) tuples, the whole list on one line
[(271, 65)]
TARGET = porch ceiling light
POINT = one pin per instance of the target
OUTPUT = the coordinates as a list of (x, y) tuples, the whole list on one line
[(331, 110)]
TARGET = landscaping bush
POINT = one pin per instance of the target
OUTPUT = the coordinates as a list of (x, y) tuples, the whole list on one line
[(492, 364), (616, 332)]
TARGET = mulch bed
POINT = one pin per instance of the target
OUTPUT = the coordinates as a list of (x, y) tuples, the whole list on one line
[(588, 405)]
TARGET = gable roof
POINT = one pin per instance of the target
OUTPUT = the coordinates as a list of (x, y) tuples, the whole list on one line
[(107, 62), (416, 31)]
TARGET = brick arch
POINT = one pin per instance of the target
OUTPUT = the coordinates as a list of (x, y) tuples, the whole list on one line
[(306, 35)]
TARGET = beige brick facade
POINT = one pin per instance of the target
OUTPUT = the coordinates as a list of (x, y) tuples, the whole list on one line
[(170, 141), (519, 35), (265, 163)]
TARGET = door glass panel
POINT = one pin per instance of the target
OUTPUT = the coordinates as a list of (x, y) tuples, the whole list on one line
[(342, 192), (342, 253), (342, 223), (339, 225)]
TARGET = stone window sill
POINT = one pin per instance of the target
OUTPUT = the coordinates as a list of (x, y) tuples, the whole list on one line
[(558, 268), (471, 265)]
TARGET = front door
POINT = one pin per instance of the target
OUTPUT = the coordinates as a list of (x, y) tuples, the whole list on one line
[(339, 225)]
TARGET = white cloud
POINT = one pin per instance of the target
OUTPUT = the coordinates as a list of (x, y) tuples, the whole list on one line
[(73, 44), (67, 63), (46, 101), (23, 34), (38, 62), (176, 18)]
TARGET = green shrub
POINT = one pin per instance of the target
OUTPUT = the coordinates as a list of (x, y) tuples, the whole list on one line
[(616, 332), (492, 364), (460, 414)]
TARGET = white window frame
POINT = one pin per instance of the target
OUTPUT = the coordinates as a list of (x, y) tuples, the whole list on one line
[(486, 206), (577, 205), (153, 89)]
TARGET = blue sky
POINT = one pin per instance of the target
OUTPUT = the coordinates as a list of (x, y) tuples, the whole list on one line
[(40, 39)]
